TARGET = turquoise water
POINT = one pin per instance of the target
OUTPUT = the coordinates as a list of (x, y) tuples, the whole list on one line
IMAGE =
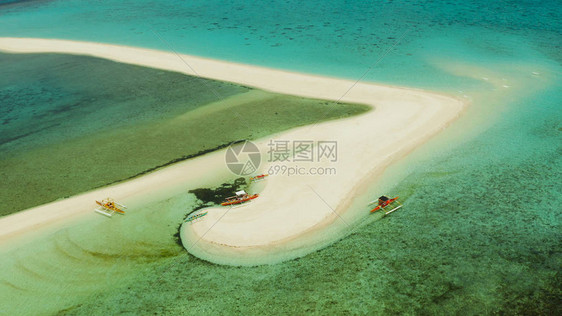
[(480, 232), (339, 38)]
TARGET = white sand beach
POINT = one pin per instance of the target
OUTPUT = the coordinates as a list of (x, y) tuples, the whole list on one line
[(289, 207)]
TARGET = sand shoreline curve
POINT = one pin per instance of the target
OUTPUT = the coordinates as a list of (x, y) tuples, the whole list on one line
[(268, 230)]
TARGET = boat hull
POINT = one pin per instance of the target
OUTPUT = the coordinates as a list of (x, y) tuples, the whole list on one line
[(251, 197), (385, 204)]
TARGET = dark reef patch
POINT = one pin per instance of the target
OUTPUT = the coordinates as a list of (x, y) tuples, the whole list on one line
[(208, 197)]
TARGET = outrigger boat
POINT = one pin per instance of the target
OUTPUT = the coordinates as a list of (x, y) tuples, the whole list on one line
[(239, 198), (192, 218), (108, 207), (384, 203), (258, 178)]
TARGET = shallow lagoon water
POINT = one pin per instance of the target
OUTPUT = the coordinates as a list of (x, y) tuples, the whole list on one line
[(480, 232), (69, 124)]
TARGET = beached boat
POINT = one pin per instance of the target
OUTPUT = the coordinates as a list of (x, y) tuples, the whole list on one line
[(193, 218), (258, 178), (108, 207), (386, 204), (240, 198)]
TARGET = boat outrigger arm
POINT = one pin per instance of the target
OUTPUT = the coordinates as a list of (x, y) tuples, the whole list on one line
[(386, 204)]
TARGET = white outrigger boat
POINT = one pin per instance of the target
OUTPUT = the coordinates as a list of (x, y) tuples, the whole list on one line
[(195, 217), (108, 207)]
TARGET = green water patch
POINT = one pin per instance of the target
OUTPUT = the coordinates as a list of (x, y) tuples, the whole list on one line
[(65, 267), (73, 123)]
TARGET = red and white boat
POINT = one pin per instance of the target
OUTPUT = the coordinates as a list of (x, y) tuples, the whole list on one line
[(386, 204), (258, 178), (240, 198)]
